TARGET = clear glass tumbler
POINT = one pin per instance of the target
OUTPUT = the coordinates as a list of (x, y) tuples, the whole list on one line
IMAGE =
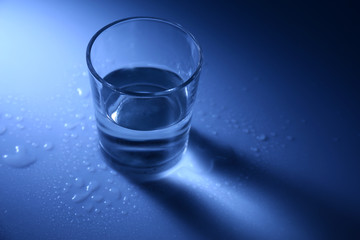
[(144, 74)]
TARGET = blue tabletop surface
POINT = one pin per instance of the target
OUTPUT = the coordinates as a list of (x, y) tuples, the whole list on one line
[(275, 141)]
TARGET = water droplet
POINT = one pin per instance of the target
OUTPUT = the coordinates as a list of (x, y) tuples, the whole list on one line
[(86, 163), (261, 137), (89, 189), (245, 130), (79, 182), (115, 192), (273, 134), (2, 130), (7, 115), (19, 159), (88, 207), (254, 149), (102, 166), (82, 92), (48, 146), (70, 126), (97, 198), (74, 135), (20, 126), (19, 118), (47, 126), (79, 116), (90, 169), (290, 138)]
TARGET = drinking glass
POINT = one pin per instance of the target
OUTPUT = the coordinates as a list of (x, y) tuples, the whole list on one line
[(144, 74)]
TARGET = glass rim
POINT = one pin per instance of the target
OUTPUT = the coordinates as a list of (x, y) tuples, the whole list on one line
[(131, 93)]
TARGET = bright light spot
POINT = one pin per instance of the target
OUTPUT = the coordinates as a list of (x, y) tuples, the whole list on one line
[(79, 91)]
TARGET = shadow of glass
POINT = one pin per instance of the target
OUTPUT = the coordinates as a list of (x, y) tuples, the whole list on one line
[(312, 210), (326, 218)]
